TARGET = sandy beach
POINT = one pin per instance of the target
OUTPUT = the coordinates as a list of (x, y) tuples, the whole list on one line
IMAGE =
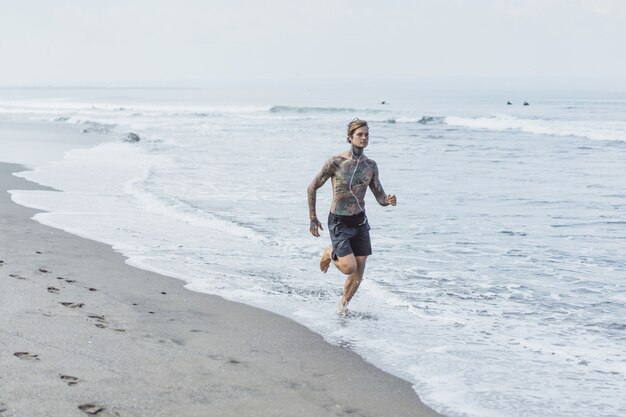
[(84, 333)]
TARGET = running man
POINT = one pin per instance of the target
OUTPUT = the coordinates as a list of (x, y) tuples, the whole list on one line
[(351, 173)]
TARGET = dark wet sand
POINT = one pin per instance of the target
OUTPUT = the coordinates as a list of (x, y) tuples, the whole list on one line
[(79, 327)]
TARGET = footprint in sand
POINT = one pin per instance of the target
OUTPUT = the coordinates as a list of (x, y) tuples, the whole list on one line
[(101, 321), (26, 356), (70, 380), (3, 408), (1, 262), (90, 408), (72, 305), (53, 290), (16, 276)]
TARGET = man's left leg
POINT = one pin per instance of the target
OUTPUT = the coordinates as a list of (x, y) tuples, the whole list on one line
[(353, 281)]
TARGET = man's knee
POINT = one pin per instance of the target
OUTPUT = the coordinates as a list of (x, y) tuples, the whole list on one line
[(349, 268), (347, 264)]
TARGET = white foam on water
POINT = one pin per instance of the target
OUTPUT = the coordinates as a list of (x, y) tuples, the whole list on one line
[(105, 168), (607, 130)]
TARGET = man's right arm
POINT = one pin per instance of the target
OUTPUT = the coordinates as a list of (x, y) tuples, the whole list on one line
[(328, 170)]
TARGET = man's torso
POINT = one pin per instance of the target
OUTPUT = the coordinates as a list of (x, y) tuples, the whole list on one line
[(350, 181)]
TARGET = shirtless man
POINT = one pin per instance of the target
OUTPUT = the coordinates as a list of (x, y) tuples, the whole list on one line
[(351, 173)]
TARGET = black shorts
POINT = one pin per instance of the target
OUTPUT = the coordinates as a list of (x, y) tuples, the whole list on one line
[(349, 234)]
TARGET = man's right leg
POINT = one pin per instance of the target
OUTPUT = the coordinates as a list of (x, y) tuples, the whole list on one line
[(352, 282)]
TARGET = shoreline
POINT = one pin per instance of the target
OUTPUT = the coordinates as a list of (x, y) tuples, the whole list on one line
[(34, 143), (138, 343)]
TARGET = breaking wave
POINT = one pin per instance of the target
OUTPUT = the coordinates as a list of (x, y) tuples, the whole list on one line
[(607, 130), (290, 109)]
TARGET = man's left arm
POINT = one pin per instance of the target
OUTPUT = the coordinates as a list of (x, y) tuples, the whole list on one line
[(377, 188)]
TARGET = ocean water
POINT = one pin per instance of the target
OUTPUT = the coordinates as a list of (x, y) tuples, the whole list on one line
[(497, 285)]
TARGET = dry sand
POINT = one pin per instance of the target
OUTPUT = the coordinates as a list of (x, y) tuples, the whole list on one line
[(80, 327)]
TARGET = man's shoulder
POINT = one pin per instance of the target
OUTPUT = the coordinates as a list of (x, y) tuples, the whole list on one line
[(333, 163), (337, 159), (341, 156)]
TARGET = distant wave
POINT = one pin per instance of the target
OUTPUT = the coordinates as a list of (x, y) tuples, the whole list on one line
[(424, 120), (431, 120), (53, 109), (290, 109), (607, 130), (382, 117), (96, 127)]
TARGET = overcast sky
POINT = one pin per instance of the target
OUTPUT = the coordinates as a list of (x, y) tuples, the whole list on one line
[(83, 42)]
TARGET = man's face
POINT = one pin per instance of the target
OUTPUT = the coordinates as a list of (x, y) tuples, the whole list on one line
[(360, 137)]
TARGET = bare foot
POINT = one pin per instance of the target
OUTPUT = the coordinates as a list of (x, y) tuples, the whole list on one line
[(342, 307), (325, 260)]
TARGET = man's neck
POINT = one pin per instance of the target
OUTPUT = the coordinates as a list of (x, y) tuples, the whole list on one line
[(356, 152)]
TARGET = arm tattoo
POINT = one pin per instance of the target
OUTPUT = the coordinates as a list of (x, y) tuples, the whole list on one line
[(328, 170), (377, 188)]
